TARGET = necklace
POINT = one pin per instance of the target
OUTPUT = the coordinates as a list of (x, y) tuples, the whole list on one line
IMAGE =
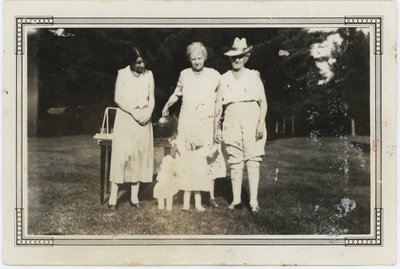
[(197, 73)]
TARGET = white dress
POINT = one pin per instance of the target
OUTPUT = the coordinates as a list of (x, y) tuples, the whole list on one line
[(132, 144), (196, 127)]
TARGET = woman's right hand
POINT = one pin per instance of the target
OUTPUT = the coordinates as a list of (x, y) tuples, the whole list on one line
[(260, 131)]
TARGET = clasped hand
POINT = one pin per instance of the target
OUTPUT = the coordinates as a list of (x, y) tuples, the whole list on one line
[(141, 117)]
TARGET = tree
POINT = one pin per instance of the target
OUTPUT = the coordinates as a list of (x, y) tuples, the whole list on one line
[(78, 67), (351, 80), (291, 79)]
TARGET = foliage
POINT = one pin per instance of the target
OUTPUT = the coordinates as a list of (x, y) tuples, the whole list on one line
[(78, 66), (351, 76)]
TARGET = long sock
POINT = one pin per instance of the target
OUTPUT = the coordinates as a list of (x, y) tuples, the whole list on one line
[(168, 201), (237, 177), (212, 197), (113, 194), (134, 193), (197, 201), (186, 199), (253, 170), (161, 203)]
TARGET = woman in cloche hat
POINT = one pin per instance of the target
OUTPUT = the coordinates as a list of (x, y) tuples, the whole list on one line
[(241, 93)]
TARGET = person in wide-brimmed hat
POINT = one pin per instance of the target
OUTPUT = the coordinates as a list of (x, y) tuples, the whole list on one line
[(239, 47), (241, 96)]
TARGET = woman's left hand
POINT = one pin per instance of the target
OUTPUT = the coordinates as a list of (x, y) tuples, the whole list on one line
[(141, 116), (260, 131), (145, 120), (218, 136)]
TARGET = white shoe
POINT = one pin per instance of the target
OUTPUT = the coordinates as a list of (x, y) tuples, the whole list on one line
[(200, 208)]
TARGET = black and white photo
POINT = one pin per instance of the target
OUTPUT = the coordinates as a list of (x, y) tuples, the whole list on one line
[(184, 131)]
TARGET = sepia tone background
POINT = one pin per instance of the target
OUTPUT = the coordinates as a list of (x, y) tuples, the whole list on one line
[(315, 175)]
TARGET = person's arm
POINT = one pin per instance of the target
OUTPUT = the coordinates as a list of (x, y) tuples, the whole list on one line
[(120, 99), (149, 110), (151, 95), (173, 98), (263, 111), (218, 115)]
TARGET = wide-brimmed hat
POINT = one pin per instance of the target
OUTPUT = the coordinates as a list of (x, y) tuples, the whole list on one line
[(239, 47)]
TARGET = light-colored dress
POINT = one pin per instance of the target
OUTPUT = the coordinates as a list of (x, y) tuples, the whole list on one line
[(240, 98), (196, 127), (168, 178), (132, 144)]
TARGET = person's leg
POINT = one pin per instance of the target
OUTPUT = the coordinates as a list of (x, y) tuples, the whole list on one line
[(134, 193), (212, 197), (186, 200), (253, 150), (161, 203), (113, 194), (253, 170), (168, 201), (233, 139), (236, 178), (213, 203), (197, 201)]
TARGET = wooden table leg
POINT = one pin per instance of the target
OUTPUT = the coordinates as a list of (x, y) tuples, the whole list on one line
[(102, 172), (109, 163), (107, 170)]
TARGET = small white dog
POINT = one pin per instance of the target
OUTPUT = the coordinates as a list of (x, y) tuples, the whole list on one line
[(168, 181)]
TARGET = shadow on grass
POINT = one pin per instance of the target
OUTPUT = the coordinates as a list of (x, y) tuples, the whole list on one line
[(314, 179)]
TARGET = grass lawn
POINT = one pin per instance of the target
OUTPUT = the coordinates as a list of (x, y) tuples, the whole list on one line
[(323, 187)]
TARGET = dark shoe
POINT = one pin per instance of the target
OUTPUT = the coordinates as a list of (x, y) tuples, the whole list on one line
[(213, 203), (112, 207), (137, 205), (237, 206)]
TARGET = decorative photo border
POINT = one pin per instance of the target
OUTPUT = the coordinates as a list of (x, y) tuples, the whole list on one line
[(22, 23)]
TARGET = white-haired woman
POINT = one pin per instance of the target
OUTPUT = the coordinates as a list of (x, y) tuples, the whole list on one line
[(242, 95), (197, 86)]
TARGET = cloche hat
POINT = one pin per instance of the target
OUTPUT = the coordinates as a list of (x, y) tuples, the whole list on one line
[(239, 47)]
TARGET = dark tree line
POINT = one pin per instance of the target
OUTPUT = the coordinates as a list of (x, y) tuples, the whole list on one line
[(77, 69)]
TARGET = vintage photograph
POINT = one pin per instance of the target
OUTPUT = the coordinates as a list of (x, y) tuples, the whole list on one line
[(198, 131), (178, 134)]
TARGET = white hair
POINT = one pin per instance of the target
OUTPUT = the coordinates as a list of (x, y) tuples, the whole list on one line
[(196, 46)]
